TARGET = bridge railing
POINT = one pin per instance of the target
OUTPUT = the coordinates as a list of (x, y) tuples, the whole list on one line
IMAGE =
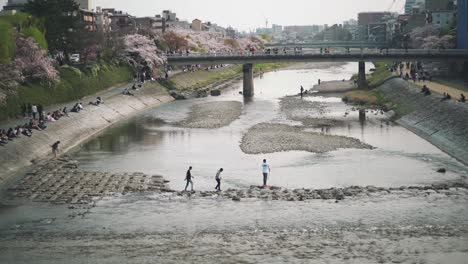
[(318, 52)]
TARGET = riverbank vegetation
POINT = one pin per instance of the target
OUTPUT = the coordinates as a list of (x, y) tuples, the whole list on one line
[(379, 74), (74, 84), (203, 78)]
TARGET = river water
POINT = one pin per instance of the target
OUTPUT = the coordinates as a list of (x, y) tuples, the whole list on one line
[(150, 144), (404, 227)]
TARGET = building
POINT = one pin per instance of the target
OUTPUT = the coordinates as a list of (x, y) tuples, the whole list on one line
[(120, 22), (157, 23), (276, 29), (367, 18), (409, 6), (169, 16), (103, 20), (443, 18), (438, 5), (85, 4), (415, 6), (377, 32), (231, 33), (312, 29), (181, 24), (88, 18), (462, 24), (14, 5), (197, 25), (408, 23)]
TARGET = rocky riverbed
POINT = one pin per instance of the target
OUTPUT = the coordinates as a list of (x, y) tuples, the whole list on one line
[(270, 138), (60, 181), (212, 115)]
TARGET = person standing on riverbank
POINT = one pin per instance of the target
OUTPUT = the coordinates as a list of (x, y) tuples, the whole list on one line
[(218, 179), (266, 171), (188, 178), (34, 111), (302, 91), (55, 148)]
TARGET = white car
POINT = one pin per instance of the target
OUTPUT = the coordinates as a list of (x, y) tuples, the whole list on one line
[(75, 58)]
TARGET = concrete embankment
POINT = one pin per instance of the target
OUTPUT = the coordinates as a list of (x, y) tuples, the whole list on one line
[(443, 123), (17, 155)]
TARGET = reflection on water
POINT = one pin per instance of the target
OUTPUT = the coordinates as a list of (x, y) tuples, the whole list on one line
[(150, 144)]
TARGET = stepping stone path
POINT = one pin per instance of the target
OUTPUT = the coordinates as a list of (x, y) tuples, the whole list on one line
[(60, 181)]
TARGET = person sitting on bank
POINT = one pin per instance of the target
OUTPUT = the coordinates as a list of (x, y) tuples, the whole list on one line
[(425, 90), (462, 98), (446, 97), (49, 118), (26, 131), (11, 134), (42, 124), (65, 111), (75, 108), (127, 92)]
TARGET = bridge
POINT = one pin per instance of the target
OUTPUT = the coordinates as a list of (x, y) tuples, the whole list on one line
[(330, 44), (247, 59)]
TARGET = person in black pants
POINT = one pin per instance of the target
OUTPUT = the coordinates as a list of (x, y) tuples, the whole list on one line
[(188, 178), (218, 179)]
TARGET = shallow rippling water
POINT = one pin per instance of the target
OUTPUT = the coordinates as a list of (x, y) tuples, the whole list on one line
[(150, 144)]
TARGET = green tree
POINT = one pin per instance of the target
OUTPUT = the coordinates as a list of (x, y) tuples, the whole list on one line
[(60, 20)]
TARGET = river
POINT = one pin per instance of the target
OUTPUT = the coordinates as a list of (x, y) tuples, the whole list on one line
[(152, 144), (403, 226)]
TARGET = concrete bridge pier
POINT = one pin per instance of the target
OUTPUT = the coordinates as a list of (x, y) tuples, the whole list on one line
[(248, 90), (362, 82)]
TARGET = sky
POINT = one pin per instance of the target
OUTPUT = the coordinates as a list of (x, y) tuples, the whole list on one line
[(250, 14)]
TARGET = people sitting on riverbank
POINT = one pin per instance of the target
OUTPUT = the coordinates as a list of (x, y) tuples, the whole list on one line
[(446, 97), (75, 108), (97, 102), (127, 92), (49, 118), (462, 98), (425, 90), (3, 137)]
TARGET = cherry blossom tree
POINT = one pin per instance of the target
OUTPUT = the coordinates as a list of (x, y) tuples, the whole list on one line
[(33, 62), (418, 35), (435, 42), (141, 51), (179, 39)]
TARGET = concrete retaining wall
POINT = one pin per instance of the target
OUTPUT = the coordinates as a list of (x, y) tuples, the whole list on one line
[(71, 131), (444, 124)]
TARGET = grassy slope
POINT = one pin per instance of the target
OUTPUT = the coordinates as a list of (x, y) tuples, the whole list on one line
[(201, 79), (7, 44), (74, 84), (29, 27), (380, 74)]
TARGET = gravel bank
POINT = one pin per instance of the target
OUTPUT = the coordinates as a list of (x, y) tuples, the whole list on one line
[(307, 112), (212, 115), (334, 87), (270, 138)]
